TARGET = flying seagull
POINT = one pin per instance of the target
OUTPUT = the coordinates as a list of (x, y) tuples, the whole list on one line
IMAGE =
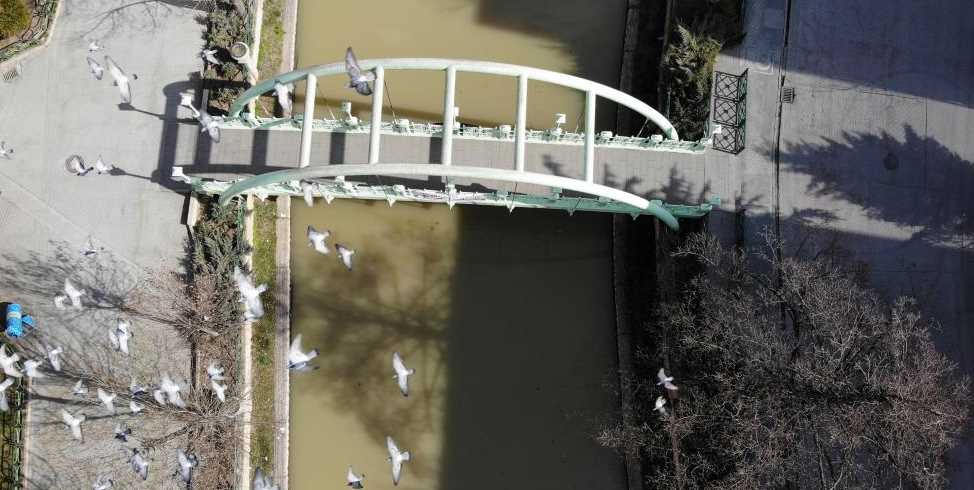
[(208, 125), (73, 293), (249, 295), (219, 389), (402, 373), (660, 402), (101, 167), (283, 93), (59, 300), (93, 46), (186, 100), (30, 369), (186, 464), (91, 250), (215, 371), (4, 151), (107, 399), (665, 380), (120, 336), (122, 432), (308, 190), (121, 80), (345, 254), (397, 458), (299, 360), (210, 56), (74, 423), (139, 464), (134, 407), (9, 362), (136, 389), (159, 396), (76, 165), (4, 404), (172, 391), (354, 481), (103, 483), (96, 69), (79, 388), (358, 79), (317, 239), (54, 356)]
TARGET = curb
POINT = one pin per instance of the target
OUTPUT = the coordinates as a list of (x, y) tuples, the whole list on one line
[(282, 341), (20, 58), (246, 334)]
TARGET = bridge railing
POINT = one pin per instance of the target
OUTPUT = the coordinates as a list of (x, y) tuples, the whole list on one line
[(523, 74)]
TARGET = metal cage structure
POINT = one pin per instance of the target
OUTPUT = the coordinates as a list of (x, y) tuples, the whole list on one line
[(730, 111)]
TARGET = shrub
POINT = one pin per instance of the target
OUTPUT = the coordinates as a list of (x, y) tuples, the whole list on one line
[(688, 66), (14, 17)]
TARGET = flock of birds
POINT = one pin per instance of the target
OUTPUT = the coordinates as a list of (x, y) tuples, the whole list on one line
[(667, 383)]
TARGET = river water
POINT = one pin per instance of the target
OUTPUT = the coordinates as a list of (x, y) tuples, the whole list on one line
[(578, 37), (508, 321)]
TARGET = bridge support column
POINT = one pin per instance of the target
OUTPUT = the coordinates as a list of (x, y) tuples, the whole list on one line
[(522, 121), (311, 91), (376, 123), (589, 136), (449, 102)]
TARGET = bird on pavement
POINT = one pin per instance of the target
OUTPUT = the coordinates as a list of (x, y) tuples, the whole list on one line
[(402, 373), (283, 93), (101, 167), (208, 125), (186, 464), (107, 399), (90, 250), (103, 483), (9, 363), (73, 423), (317, 239), (75, 164), (4, 151), (121, 80), (665, 380), (54, 357), (139, 464), (262, 481), (215, 371), (74, 293), (79, 388), (94, 45), (30, 369), (122, 432), (358, 79), (249, 295), (219, 389), (660, 402), (345, 254), (354, 481), (299, 360), (4, 404), (397, 458), (95, 68)]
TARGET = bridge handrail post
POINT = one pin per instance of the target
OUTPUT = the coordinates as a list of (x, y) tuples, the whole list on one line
[(376, 124), (449, 102), (311, 92), (590, 136), (522, 121)]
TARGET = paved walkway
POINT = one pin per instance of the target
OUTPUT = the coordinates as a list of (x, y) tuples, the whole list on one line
[(46, 216)]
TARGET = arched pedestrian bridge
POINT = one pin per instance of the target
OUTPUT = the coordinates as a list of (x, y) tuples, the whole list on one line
[(508, 165)]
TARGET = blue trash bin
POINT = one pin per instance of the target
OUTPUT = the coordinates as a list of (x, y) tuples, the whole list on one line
[(15, 326)]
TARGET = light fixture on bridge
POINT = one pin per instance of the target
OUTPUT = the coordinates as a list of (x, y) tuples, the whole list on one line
[(559, 120), (177, 174), (451, 195), (656, 138), (241, 52), (402, 125), (605, 136), (503, 131), (347, 116), (555, 194)]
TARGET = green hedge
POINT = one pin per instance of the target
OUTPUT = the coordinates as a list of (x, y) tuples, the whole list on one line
[(14, 17)]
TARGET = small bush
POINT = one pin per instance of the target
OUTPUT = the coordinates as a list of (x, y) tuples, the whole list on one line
[(14, 17), (688, 66)]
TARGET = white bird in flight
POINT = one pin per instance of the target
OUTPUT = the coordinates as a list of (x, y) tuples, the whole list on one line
[(283, 93), (54, 356), (402, 373), (134, 407), (354, 481), (9, 363), (397, 458), (4, 404), (358, 79), (210, 56), (139, 464), (345, 254), (122, 432), (79, 388), (317, 239), (172, 391), (74, 423), (299, 360), (73, 293), (186, 100), (95, 68), (665, 380), (307, 188), (30, 369), (75, 164), (215, 371), (4, 151), (103, 483), (107, 399), (120, 335), (219, 389), (208, 125), (186, 464), (660, 402), (249, 295), (121, 80), (101, 167), (159, 396)]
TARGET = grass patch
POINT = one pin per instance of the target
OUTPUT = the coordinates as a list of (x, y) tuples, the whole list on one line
[(14, 17), (265, 271), (271, 48)]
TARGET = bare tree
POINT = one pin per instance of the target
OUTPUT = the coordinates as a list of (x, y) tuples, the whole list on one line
[(792, 374)]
